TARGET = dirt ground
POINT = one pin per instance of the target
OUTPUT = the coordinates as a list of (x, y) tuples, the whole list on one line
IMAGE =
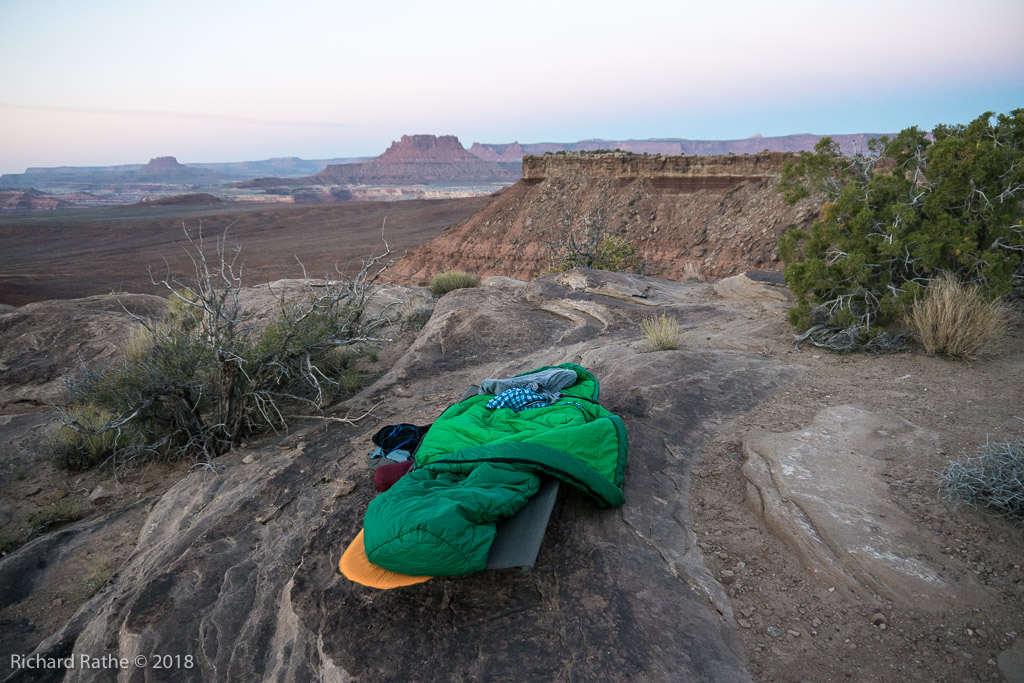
[(794, 629), (77, 253)]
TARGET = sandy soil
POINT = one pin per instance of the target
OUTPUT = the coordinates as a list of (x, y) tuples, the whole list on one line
[(794, 629)]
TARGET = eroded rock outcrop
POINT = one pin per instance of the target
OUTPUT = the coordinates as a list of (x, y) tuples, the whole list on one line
[(687, 216), (238, 569), (45, 342), (819, 489)]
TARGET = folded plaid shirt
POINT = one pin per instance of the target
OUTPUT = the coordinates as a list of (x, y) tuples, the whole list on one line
[(518, 399)]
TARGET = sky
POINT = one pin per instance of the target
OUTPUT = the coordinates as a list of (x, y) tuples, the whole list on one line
[(122, 81)]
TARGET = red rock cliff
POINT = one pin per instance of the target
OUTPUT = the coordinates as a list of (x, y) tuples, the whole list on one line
[(706, 216)]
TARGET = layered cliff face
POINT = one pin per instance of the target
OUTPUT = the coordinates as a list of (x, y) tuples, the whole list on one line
[(706, 217), (744, 167)]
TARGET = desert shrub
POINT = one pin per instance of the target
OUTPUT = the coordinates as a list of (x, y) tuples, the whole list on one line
[(992, 480), (66, 509), (893, 219), (956, 319), (661, 333), (592, 245), (83, 440), (414, 314), (211, 374), (449, 281)]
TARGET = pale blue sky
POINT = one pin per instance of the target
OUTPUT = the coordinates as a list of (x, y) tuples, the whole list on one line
[(121, 81)]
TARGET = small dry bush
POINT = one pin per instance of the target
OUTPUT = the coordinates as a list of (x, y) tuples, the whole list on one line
[(442, 283), (82, 440), (661, 333), (957, 320), (992, 480), (414, 314), (212, 373)]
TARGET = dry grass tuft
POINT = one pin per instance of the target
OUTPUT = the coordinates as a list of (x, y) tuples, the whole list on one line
[(138, 345), (956, 320), (81, 442), (66, 509), (691, 272), (661, 333), (452, 280), (414, 314)]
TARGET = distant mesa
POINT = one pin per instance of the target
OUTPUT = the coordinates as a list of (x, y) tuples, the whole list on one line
[(425, 149), (160, 164), (168, 170), (158, 170), (508, 153), (412, 160)]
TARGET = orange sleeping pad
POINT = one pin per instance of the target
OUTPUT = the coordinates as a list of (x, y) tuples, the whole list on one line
[(355, 566)]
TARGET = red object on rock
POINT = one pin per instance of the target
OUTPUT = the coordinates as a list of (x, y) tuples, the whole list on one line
[(385, 476)]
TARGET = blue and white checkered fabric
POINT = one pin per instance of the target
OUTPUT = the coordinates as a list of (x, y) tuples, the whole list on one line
[(518, 399)]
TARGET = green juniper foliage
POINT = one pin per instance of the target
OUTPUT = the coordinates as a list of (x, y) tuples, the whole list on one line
[(894, 219), (593, 245)]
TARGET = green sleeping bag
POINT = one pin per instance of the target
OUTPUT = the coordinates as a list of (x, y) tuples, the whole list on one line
[(477, 466)]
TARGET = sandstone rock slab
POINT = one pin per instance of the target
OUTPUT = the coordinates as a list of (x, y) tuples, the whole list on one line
[(743, 288), (239, 569), (819, 489), (42, 343)]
